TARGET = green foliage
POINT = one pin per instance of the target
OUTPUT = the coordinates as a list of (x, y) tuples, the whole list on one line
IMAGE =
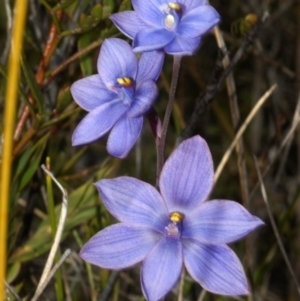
[(83, 206), (28, 163), (86, 62), (33, 86)]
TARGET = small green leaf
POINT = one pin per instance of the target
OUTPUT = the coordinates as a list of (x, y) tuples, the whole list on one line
[(96, 11), (24, 159), (33, 86), (13, 271), (63, 100), (108, 8), (91, 21), (86, 23), (62, 4), (29, 164), (125, 5), (86, 63), (74, 159), (21, 92)]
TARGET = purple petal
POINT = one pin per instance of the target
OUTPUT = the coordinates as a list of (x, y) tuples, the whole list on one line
[(152, 39), (187, 176), (198, 21), (119, 246), (150, 11), (219, 222), (183, 46), (150, 65), (143, 99), (98, 122), (116, 60), (215, 267), (90, 92), (191, 4), (129, 23), (123, 136), (161, 269), (134, 202)]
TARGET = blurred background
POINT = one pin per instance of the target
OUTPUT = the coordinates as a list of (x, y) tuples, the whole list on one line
[(61, 44)]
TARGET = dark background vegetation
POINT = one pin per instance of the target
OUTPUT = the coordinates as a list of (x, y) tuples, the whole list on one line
[(78, 28)]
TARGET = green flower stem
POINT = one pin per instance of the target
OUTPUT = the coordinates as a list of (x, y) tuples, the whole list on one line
[(164, 129)]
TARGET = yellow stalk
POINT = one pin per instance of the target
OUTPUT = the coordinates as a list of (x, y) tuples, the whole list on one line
[(9, 122)]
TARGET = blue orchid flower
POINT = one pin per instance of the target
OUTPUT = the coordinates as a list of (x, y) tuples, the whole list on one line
[(176, 27), (173, 228), (117, 97)]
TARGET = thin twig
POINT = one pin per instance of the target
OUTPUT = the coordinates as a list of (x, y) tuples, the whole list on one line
[(60, 227), (66, 286), (287, 138), (12, 291), (286, 151), (109, 286), (276, 232), (70, 60), (8, 32), (285, 6), (40, 74), (39, 213), (204, 99), (289, 143), (241, 131), (41, 288), (235, 114), (278, 64), (202, 295), (164, 129)]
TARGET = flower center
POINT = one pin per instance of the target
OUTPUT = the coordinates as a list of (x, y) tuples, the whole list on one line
[(125, 89), (169, 21), (173, 229), (176, 217), (172, 17), (125, 81)]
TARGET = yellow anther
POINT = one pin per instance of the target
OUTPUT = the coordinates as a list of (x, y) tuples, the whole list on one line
[(174, 6), (176, 217), (125, 81)]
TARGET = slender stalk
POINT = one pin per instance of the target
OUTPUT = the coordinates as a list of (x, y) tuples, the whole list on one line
[(88, 269), (12, 291), (202, 295), (235, 116), (51, 208), (9, 122), (181, 285), (289, 136), (275, 229), (241, 131), (47, 272), (162, 139), (109, 286), (50, 275)]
